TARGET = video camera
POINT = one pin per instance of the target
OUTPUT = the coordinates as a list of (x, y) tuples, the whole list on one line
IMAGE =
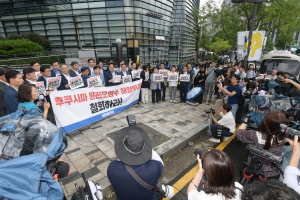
[(288, 132), (222, 71)]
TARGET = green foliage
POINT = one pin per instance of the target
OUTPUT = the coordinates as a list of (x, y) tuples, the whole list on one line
[(220, 45), (276, 15), (34, 37), (25, 61), (8, 47)]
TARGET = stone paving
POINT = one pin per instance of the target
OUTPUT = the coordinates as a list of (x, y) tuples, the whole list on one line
[(90, 150)]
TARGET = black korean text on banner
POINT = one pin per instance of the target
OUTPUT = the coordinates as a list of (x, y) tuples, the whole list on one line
[(127, 79), (135, 74), (40, 87), (53, 82), (117, 78), (185, 77), (157, 77), (173, 77), (92, 82), (76, 82), (102, 105), (164, 72)]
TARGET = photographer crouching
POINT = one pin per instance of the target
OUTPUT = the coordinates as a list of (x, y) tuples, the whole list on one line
[(224, 128), (134, 175)]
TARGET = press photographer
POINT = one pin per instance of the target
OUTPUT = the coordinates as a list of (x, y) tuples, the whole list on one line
[(223, 128), (134, 175), (216, 177), (266, 137)]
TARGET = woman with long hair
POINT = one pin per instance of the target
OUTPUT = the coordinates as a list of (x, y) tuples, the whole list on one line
[(265, 137), (217, 177)]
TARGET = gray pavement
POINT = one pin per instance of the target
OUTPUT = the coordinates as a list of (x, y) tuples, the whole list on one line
[(90, 150)]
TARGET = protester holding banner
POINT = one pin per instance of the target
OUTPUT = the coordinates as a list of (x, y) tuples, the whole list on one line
[(155, 86), (100, 76), (100, 65), (109, 76), (14, 78), (55, 71), (85, 75), (74, 71), (192, 75), (173, 80), (184, 84), (27, 94), (164, 82), (46, 73), (134, 68), (65, 77), (145, 83), (123, 71), (91, 63), (29, 76), (36, 66)]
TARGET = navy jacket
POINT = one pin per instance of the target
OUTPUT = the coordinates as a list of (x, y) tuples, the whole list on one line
[(122, 74), (45, 84), (64, 81), (145, 84), (53, 74), (11, 99), (107, 76), (182, 83), (3, 110), (73, 74), (84, 78)]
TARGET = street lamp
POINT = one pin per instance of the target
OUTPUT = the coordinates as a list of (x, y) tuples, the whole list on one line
[(256, 3)]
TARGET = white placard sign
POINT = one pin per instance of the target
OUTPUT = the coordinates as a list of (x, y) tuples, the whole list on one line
[(184, 77), (76, 82)]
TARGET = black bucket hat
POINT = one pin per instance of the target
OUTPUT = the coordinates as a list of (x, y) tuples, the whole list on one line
[(133, 146)]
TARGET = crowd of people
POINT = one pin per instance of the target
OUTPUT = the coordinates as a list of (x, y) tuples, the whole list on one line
[(224, 91)]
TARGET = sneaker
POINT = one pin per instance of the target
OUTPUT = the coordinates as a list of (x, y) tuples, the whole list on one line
[(171, 101), (143, 102), (214, 140), (174, 101), (226, 138)]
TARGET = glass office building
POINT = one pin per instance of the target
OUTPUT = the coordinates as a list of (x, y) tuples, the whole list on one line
[(148, 28)]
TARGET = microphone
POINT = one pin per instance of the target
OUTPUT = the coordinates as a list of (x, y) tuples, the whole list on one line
[(41, 99)]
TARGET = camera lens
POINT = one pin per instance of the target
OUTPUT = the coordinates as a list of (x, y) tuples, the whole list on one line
[(198, 152)]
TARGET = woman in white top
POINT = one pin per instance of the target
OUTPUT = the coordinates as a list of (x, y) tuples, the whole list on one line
[(97, 73), (218, 173), (172, 84)]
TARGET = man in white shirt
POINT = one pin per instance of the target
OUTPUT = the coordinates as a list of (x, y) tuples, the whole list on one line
[(236, 69), (273, 75), (227, 122), (91, 63), (74, 72)]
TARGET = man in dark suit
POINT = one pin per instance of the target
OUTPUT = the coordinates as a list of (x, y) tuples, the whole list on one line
[(3, 87), (65, 77), (123, 71), (55, 71), (85, 75), (91, 63), (108, 76), (29, 76), (75, 69), (14, 78), (184, 86)]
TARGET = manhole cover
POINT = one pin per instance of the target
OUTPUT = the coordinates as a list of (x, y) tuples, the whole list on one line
[(155, 136)]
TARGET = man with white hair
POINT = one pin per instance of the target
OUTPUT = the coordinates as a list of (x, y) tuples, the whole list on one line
[(272, 76)]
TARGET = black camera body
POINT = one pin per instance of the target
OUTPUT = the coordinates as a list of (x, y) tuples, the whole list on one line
[(212, 110), (288, 132)]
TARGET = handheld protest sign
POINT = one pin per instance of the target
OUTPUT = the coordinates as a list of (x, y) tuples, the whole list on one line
[(76, 82)]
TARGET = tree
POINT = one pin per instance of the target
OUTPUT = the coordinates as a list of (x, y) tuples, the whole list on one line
[(220, 45), (8, 47), (34, 37), (227, 21)]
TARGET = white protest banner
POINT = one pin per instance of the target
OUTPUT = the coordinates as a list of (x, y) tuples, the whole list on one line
[(53, 82), (76, 82), (117, 78), (40, 87), (135, 74), (255, 48), (92, 82), (147, 76), (184, 77), (164, 72), (173, 77), (127, 79), (158, 77), (75, 109)]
